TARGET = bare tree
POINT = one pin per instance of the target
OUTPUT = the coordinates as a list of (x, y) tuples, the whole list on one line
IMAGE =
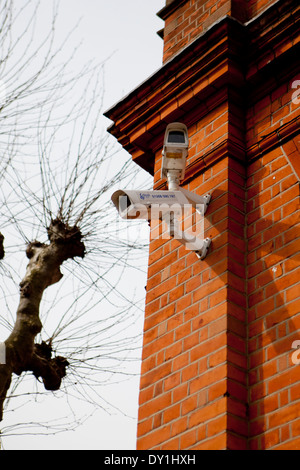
[(57, 170)]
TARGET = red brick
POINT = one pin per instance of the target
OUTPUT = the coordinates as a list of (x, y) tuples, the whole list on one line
[(156, 437), (171, 413), (208, 412), (214, 426), (155, 405), (214, 443), (218, 333), (208, 378), (188, 439), (284, 415), (271, 438)]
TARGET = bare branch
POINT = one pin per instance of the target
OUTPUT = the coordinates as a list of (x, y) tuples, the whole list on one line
[(57, 171)]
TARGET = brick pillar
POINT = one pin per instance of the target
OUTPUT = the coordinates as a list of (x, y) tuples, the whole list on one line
[(273, 234), (193, 385), (219, 369), (185, 20)]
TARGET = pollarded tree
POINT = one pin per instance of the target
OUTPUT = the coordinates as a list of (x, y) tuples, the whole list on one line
[(57, 173)]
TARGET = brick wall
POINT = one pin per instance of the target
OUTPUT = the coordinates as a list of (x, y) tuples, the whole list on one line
[(274, 301), (255, 7), (190, 378), (185, 20), (219, 368), (194, 382), (274, 109), (217, 355), (273, 234), (189, 20), (217, 358)]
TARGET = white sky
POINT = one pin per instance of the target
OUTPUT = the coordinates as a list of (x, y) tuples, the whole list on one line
[(126, 28), (126, 31)]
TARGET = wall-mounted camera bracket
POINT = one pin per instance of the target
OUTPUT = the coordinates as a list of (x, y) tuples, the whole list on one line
[(168, 205)]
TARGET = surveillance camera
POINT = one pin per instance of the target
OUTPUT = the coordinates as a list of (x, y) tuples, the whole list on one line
[(141, 204), (167, 205), (175, 149)]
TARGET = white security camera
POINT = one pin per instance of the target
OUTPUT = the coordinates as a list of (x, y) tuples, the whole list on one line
[(175, 151), (167, 205), (141, 204)]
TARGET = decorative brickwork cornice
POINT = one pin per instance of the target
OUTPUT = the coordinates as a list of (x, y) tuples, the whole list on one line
[(169, 8), (190, 81), (248, 59), (275, 138), (270, 36), (222, 150)]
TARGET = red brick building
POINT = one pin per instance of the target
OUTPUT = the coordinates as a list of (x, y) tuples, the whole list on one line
[(218, 366)]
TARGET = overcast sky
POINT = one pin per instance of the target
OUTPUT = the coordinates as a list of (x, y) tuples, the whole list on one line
[(124, 28), (124, 31)]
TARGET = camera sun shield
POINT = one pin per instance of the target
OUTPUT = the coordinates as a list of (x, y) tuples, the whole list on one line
[(175, 149)]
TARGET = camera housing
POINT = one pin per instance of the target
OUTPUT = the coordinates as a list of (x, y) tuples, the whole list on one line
[(175, 149), (139, 204), (167, 205)]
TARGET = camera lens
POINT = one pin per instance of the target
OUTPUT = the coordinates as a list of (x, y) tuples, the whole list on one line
[(176, 137)]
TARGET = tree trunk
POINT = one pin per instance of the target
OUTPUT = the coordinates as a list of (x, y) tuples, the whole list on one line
[(43, 270)]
